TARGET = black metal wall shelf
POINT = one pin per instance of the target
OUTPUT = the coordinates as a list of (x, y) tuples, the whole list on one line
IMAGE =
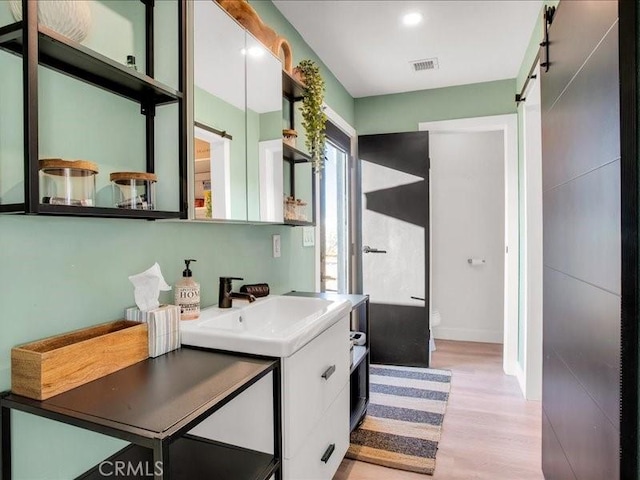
[(298, 223), (12, 208), (47, 209), (39, 45), (71, 58), (292, 90), (293, 155)]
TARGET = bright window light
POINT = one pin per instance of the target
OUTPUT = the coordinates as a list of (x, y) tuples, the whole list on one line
[(254, 51), (412, 19)]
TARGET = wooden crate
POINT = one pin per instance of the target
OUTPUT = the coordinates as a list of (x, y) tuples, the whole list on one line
[(54, 365)]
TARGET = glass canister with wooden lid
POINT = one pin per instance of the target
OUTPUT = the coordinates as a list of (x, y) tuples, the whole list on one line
[(68, 182), (134, 190)]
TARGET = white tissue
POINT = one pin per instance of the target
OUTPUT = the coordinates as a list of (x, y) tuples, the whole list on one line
[(147, 286)]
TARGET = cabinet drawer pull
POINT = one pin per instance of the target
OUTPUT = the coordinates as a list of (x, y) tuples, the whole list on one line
[(328, 372), (328, 452)]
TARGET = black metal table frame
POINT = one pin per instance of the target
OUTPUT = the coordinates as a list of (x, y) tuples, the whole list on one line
[(144, 438)]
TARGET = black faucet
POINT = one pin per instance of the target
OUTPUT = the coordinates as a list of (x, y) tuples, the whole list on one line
[(224, 292), (244, 296)]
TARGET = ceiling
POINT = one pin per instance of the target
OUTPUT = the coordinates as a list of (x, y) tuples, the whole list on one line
[(368, 49)]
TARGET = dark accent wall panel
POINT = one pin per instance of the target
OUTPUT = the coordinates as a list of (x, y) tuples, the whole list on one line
[(581, 112), (582, 227), (586, 436), (630, 218), (577, 314), (582, 244), (577, 29), (558, 467)]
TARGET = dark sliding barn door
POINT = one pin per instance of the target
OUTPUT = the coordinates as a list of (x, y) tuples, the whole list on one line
[(584, 279), (395, 235)]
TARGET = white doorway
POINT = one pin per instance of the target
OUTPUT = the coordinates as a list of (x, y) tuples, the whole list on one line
[(467, 239), (507, 125)]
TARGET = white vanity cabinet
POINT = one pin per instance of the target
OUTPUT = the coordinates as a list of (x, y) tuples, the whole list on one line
[(315, 400), (315, 395)]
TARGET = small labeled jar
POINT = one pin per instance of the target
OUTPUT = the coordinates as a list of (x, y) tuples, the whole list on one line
[(289, 208), (68, 182), (134, 190)]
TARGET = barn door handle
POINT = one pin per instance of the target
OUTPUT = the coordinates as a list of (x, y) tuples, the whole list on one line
[(368, 249)]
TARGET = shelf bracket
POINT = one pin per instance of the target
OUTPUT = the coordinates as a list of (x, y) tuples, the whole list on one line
[(148, 109)]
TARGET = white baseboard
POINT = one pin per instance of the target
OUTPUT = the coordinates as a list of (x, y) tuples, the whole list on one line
[(468, 335)]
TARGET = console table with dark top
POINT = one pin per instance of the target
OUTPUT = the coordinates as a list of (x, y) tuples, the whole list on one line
[(153, 404)]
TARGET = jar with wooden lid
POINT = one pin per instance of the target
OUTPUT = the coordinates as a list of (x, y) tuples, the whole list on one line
[(134, 190), (68, 182), (289, 137)]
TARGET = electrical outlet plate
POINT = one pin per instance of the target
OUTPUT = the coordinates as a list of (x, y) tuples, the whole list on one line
[(275, 241), (308, 236)]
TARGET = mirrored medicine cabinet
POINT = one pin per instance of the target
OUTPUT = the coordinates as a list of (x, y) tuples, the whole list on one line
[(238, 121)]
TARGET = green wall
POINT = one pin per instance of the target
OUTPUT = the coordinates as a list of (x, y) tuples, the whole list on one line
[(402, 112), (60, 274)]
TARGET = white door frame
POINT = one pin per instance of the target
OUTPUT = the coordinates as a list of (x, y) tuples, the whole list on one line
[(348, 130), (508, 124), (530, 370)]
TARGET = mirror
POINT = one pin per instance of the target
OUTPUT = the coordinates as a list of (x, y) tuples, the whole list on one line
[(220, 184), (264, 134), (238, 122)]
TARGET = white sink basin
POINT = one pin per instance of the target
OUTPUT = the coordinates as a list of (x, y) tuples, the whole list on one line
[(276, 326)]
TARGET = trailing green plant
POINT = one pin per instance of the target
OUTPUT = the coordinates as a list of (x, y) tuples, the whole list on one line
[(313, 116)]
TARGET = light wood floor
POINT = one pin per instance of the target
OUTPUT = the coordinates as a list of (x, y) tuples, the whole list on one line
[(489, 433)]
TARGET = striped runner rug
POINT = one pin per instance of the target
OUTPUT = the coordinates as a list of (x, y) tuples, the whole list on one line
[(404, 419)]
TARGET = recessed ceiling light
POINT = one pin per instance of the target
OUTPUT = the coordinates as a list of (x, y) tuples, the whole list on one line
[(412, 19)]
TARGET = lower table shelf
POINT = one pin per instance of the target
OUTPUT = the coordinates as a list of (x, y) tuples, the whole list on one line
[(358, 356), (358, 412), (191, 458)]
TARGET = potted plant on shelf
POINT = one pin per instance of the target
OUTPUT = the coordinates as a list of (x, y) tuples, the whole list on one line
[(313, 116)]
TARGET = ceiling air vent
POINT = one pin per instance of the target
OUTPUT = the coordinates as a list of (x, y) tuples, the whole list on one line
[(426, 64)]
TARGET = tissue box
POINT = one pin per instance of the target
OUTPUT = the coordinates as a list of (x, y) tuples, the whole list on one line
[(164, 327)]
